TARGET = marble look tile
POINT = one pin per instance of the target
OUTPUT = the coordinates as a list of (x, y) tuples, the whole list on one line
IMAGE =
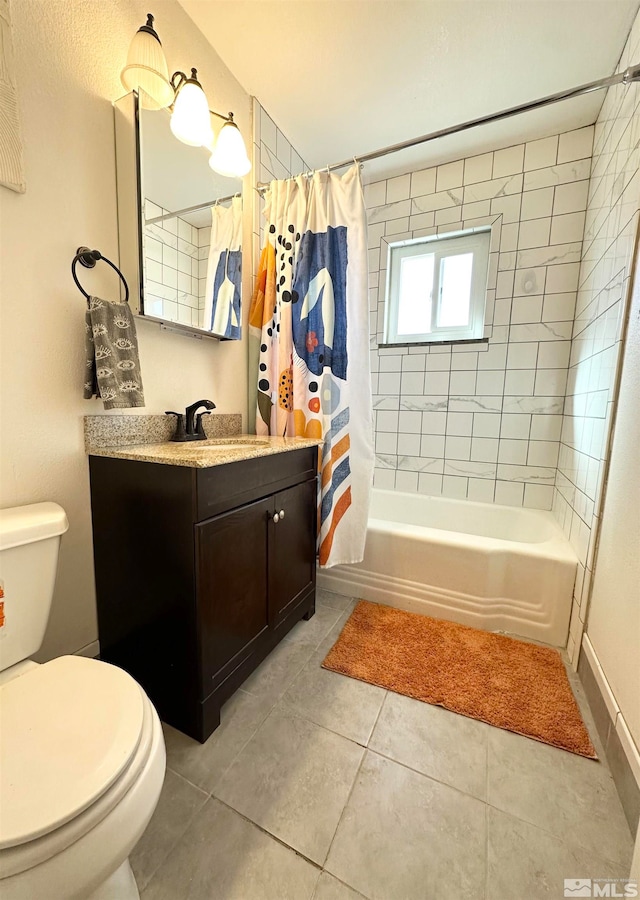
[(559, 174), (224, 856), (293, 779), (204, 764), (344, 705), (403, 835), (524, 861), (428, 738), (273, 676), (178, 804), (329, 888), (579, 795), (316, 628)]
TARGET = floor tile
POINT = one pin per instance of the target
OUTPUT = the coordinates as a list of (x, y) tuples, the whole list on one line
[(273, 676), (293, 778), (344, 705), (178, 804), (223, 856), (559, 792), (335, 601), (332, 636), (404, 836), (329, 888), (436, 742), (524, 861), (204, 764), (317, 628)]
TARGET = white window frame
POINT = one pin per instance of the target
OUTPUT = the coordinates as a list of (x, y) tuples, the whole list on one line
[(476, 241)]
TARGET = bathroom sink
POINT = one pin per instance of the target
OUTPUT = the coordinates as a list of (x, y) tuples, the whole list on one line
[(223, 445)]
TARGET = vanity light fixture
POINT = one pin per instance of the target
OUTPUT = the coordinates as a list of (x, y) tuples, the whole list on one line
[(190, 119), (229, 156), (146, 71)]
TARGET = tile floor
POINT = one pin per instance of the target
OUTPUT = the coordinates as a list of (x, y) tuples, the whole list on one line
[(319, 786)]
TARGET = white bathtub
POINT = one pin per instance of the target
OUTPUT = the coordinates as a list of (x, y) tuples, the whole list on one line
[(494, 567)]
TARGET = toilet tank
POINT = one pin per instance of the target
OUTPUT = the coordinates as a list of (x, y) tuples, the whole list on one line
[(29, 543)]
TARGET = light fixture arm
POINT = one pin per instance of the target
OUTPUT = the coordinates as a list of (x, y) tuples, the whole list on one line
[(178, 79), (227, 118)]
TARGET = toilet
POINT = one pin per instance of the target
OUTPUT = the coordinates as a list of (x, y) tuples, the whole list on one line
[(82, 756)]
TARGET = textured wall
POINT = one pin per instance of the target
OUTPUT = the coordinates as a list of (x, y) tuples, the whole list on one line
[(68, 59), (482, 421), (614, 616)]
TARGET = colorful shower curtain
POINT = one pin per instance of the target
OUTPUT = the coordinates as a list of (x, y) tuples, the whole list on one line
[(310, 316), (224, 271)]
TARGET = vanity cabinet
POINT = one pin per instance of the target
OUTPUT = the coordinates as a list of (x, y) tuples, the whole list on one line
[(201, 572)]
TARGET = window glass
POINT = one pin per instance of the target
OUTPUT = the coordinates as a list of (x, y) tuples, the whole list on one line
[(415, 294), (437, 287), (455, 290)]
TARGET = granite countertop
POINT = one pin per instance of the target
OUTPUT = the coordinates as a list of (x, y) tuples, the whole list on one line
[(203, 454)]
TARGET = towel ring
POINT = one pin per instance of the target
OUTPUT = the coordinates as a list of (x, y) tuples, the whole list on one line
[(88, 258)]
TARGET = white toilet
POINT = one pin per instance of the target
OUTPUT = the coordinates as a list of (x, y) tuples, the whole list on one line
[(82, 757)]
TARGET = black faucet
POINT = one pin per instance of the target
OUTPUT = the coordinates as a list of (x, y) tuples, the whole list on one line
[(190, 427)]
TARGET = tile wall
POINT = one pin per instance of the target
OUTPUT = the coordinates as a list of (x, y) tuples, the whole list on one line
[(596, 347), (175, 268), (273, 157), (483, 421)]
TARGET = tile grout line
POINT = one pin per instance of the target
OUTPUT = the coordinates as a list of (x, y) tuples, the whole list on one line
[(344, 808), (269, 834)]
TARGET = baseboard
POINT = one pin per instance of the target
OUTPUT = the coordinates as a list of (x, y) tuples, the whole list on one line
[(619, 747)]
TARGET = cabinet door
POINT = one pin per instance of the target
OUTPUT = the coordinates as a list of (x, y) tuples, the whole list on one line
[(292, 548), (232, 587)]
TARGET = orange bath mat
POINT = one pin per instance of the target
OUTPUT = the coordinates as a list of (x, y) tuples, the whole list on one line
[(508, 683)]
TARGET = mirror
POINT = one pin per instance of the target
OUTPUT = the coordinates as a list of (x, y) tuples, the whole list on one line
[(180, 226)]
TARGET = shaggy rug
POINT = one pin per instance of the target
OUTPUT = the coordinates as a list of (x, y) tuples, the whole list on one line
[(508, 683)]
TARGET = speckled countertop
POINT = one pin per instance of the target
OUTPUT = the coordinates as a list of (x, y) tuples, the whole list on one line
[(203, 454)]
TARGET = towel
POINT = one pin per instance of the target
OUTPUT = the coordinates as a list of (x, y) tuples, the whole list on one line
[(112, 362)]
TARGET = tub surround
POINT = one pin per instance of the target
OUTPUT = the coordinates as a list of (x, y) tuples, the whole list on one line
[(597, 345), (482, 421)]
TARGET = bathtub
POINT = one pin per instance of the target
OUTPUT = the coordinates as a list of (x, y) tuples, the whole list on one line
[(499, 568)]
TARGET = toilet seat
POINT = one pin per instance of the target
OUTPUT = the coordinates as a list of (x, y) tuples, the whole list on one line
[(89, 728)]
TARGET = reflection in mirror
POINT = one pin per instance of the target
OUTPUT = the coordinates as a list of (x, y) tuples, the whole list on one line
[(189, 228)]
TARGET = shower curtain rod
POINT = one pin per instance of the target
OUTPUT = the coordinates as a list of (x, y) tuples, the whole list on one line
[(631, 74), (188, 209)]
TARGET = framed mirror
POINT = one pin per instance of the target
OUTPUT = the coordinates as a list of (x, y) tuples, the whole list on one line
[(179, 227)]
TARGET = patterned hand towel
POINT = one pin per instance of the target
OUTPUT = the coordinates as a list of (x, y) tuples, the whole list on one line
[(112, 362)]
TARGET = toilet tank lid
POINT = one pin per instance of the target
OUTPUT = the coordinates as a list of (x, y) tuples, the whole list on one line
[(27, 524)]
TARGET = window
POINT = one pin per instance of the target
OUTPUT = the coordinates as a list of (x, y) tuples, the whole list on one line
[(436, 288)]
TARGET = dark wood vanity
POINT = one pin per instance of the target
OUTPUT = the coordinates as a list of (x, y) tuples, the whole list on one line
[(200, 572)]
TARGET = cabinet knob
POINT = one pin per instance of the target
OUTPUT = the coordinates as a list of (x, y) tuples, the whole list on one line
[(282, 514), (276, 518)]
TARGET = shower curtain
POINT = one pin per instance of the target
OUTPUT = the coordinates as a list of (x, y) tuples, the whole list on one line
[(310, 317), (224, 271)]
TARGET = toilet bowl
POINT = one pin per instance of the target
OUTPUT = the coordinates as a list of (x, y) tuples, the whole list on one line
[(82, 756)]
